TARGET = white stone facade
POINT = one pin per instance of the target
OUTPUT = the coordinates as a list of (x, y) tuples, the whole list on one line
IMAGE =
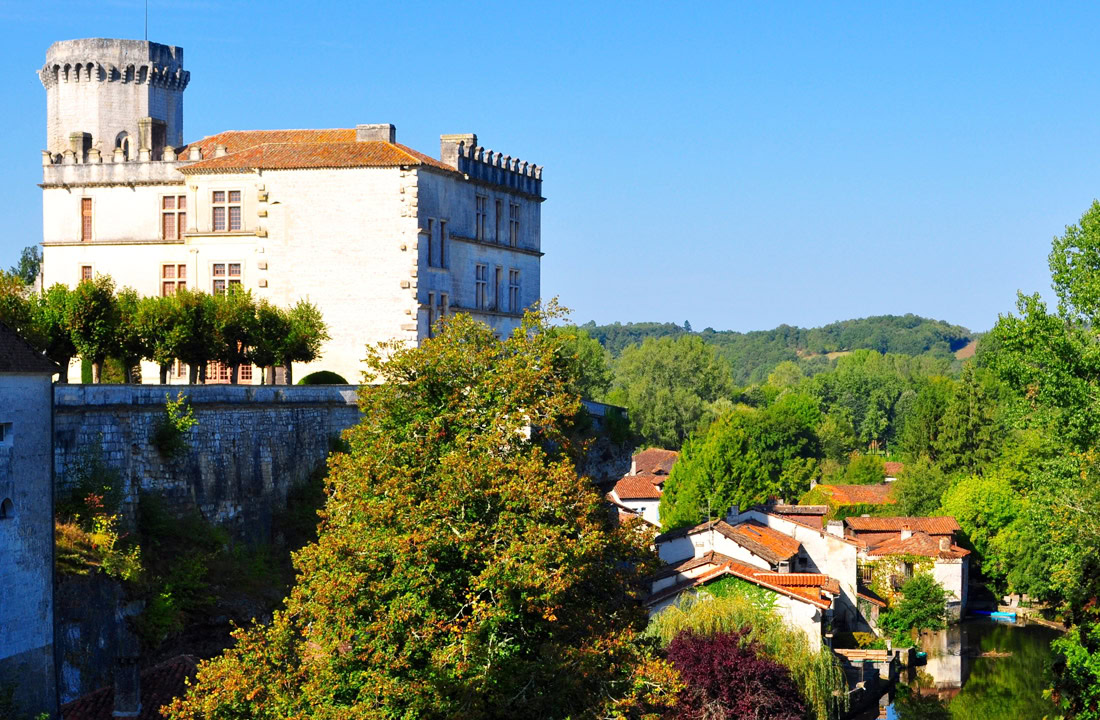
[(358, 233)]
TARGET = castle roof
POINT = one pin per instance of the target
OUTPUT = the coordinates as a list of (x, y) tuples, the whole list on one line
[(17, 356), (301, 149)]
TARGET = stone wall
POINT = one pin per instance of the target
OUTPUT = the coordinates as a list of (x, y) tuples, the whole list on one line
[(251, 444)]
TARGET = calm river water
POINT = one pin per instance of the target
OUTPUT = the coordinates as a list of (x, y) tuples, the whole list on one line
[(979, 670)]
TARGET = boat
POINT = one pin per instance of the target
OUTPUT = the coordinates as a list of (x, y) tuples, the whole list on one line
[(997, 615)]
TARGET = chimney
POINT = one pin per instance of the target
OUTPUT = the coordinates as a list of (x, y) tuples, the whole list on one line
[(220, 150), (906, 532), (945, 544), (383, 132), (633, 467), (836, 527), (448, 146)]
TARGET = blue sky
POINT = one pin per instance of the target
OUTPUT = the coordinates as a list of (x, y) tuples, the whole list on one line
[(736, 165)]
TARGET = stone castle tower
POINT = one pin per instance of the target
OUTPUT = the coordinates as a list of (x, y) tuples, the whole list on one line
[(106, 97)]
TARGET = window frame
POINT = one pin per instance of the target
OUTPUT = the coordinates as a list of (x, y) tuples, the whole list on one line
[(226, 205), (90, 274), (226, 277), (481, 282), (481, 215), (177, 280), (442, 243), (513, 289), (177, 212), (87, 219), (513, 224)]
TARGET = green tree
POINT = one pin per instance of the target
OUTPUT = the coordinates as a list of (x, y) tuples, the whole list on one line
[(922, 607), (838, 437), (920, 489), (15, 311), (985, 507), (271, 331), (235, 327), (786, 374), (666, 384), (197, 341), (93, 319), (970, 433), (50, 312), (865, 470), (308, 332), (920, 431), (161, 327), (593, 363), (132, 342), (461, 569), (30, 261)]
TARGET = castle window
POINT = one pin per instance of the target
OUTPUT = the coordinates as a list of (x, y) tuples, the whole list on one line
[(5, 433), (442, 243), (85, 219), (172, 277), (513, 290), (225, 274), (226, 206), (482, 215), (513, 224), (85, 272), (497, 282), (7, 509), (444, 305), (173, 216), (496, 223), (480, 286), (123, 141), (431, 239)]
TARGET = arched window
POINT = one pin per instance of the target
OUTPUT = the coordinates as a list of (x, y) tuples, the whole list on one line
[(123, 141), (7, 509)]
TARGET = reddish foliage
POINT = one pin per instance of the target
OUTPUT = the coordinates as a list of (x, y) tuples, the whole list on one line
[(725, 677)]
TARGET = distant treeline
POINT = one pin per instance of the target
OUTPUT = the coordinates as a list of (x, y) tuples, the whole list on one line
[(752, 355)]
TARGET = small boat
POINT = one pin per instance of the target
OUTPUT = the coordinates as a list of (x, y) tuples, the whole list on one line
[(997, 615)]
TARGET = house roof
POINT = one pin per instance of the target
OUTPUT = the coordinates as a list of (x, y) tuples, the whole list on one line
[(943, 525), (761, 540), (893, 468), (810, 588), (919, 543), (710, 558), (870, 596), (159, 685), (880, 494), (637, 487), (301, 149), (655, 461), (17, 356)]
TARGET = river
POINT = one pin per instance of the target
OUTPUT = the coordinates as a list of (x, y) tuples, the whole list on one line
[(979, 670)]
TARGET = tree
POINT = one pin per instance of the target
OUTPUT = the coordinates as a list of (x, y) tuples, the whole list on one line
[(838, 437), (462, 568), (865, 470), (308, 332), (666, 384), (593, 363), (970, 432), (160, 323), (132, 342), (923, 607), (93, 319), (15, 311), (921, 427), (984, 507), (30, 261), (920, 489), (197, 342), (49, 310), (271, 331), (235, 327), (786, 374), (726, 678)]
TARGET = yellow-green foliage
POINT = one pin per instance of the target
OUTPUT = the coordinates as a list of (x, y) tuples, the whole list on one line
[(882, 570), (816, 672), (82, 551)]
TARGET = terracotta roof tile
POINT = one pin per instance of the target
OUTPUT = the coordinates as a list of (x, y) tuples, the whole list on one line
[(893, 468), (919, 543), (881, 494), (807, 587), (655, 461), (17, 356), (636, 487), (159, 685), (301, 149), (943, 525), (761, 540), (710, 558)]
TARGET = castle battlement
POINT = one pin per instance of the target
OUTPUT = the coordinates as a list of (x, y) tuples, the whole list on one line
[(492, 167)]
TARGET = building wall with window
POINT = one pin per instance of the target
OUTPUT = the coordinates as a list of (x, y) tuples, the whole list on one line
[(26, 528)]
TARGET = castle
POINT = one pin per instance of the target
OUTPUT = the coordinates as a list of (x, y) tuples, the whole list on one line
[(382, 238)]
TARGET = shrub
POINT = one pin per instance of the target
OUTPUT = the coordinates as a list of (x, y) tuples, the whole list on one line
[(726, 677), (91, 542), (922, 607), (323, 377), (169, 437)]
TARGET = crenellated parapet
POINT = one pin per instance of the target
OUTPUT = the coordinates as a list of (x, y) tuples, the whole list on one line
[(164, 76), (499, 169)]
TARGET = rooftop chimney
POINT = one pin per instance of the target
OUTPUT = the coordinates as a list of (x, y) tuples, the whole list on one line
[(945, 544), (836, 527), (906, 532), (448, 146), (383, 132)]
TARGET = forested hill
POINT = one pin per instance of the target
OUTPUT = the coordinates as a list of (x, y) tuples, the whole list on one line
[(753, 354)]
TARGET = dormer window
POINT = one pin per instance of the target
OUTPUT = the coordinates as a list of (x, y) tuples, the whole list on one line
[(226, 206)]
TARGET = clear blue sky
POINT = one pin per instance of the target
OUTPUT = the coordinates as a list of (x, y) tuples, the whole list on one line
[(738, 165)]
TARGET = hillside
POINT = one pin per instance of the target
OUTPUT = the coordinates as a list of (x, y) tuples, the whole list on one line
[(753, 354)]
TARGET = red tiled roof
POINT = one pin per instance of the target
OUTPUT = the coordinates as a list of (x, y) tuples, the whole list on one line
[(870, 596), (636, 487), (881, 494), (893, 468), (943, 525), (817, 580), (919, 543), (710, 558), (299, 149), (655, 461), (761, 540), (806, 592), (17, 356), (159, 685)]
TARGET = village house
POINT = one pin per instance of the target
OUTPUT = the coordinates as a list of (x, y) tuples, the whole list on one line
[(638, 493), (384, 239), (26, 526), (893, 549)]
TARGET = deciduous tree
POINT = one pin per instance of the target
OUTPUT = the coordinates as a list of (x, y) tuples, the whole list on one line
[(93, 319)]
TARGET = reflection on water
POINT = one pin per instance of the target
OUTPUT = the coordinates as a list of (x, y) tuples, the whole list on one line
[(979, 670)]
